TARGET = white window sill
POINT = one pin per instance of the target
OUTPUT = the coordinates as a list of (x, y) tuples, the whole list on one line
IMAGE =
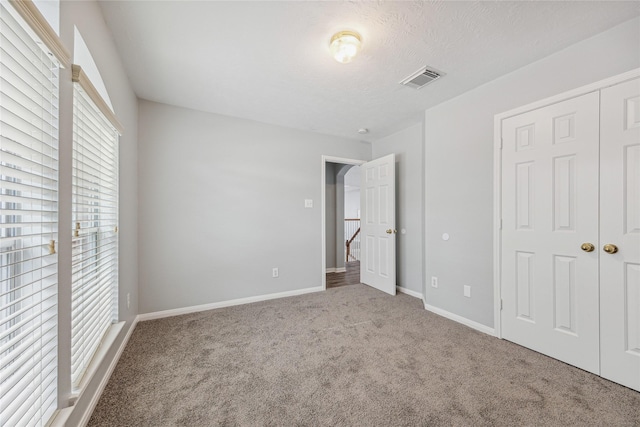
[(61, 416)]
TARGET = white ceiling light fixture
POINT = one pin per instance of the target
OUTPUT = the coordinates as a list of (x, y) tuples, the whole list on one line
[(345, 45)]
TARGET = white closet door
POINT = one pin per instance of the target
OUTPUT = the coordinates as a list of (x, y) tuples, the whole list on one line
[(620, 226), (549, 209)]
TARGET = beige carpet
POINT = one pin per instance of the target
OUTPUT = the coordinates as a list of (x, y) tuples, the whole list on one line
[(347, 356)]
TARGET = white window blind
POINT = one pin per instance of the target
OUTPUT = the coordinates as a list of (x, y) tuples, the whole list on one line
[(28, 225), (95, 220)]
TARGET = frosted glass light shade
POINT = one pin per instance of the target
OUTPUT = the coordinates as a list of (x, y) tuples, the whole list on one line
[(345, 45)]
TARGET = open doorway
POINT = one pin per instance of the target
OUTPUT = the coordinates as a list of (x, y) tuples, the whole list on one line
[(341, 213), (343, 221)]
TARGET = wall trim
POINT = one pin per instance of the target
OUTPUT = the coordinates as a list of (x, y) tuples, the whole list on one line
[(106, 344), (456, 318), (229, 303), (409, 292), (39, 25), (336, 270), (78, 76), (103, 383)]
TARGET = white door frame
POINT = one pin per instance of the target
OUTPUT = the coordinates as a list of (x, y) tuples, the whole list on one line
[(323, 195), (497, 173)]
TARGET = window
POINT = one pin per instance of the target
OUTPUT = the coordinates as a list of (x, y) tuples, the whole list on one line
[(28, 223), (95, 220)]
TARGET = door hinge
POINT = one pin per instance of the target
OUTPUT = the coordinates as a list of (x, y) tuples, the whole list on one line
[(501, 142), (500, 303), (500, 227)]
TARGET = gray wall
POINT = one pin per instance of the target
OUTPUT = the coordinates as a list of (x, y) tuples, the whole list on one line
[(87, 16), (222, 203), (330, 214), (407, 145), (352, 192), (459, 163), (341, 171)]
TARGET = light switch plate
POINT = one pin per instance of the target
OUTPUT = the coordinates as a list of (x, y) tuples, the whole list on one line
[(308, 203), (467, 291)]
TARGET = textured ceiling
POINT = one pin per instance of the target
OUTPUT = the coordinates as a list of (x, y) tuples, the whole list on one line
[(270, 61)]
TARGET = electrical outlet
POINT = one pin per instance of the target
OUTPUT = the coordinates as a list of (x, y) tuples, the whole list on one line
[(467, 291), (275, 272), (434, 282), (128, 300)]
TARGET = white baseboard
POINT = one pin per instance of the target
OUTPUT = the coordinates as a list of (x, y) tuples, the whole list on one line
[(221, 304), (456, 318), (337, 270), (103, 382), (331, 269), (409, 292)]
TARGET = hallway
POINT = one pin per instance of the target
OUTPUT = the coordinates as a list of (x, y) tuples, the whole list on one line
[(350, 277)]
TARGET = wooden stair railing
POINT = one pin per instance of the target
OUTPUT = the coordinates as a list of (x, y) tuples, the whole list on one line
[(349, 243)]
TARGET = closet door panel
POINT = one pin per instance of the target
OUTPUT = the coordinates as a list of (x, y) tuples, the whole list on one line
[(620, 226), (549, 209)]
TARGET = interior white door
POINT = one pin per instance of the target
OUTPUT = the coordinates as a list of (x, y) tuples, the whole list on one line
[(549, 209), (378, 224), (620, 226)]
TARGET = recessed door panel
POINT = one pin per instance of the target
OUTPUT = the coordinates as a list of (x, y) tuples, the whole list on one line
[(370, 254), (383, 171), (564, 128), (525, 137), (524, 286), (383, 255), (371, 216), (564, 293), (564, 193), (631, 207), (632, 303), (632, 116), (383, 200), (525, 177)]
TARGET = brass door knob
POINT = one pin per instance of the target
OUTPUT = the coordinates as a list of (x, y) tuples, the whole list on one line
[(610, 249), (588, 247), (389, 231)]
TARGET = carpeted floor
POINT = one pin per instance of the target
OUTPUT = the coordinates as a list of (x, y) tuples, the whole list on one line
[(347, 356)]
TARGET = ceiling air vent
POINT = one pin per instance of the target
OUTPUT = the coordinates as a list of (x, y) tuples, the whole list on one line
[(421, 78)]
